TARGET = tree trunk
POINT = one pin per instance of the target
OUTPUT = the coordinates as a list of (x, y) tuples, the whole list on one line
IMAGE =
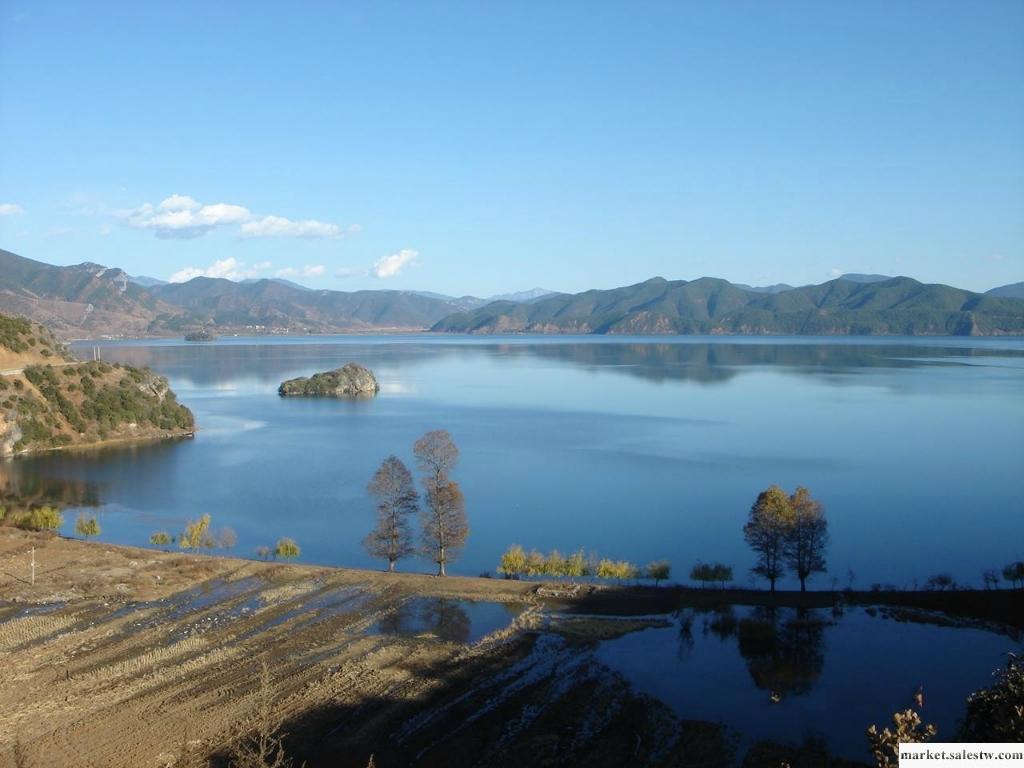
[(440, 562), (391, 566), (803, 583), (772, 580)]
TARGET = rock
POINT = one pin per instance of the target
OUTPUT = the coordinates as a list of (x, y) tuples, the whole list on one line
[(10, 434), (351, 380)]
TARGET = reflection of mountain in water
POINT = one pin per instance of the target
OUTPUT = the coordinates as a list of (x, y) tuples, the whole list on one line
[(708, 363), (713, 363)]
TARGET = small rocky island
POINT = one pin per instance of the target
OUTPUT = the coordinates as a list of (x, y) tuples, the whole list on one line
[(203, 334), (351, 380)]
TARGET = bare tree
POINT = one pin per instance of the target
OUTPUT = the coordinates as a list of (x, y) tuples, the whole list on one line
[(436, 454), (396, 496), (444, 523), (766, 530), (444, 518), (807, 537), (227, 538)]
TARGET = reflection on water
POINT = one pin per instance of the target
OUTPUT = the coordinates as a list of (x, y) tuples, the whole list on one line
[(683, 359), (457, 621), (789, 674), (19, 488), (784, 651)]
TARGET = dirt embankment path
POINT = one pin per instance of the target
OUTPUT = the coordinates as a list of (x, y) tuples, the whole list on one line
[(121, 656)]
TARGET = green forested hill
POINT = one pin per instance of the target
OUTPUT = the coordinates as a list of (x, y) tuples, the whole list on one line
[(49, 400), (899, 305)]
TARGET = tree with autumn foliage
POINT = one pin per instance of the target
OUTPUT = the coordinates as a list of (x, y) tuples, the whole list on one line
[(807, 538), (392, 487), (767, 531)]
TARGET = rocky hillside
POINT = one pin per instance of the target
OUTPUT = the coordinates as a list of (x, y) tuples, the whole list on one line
[(80, 301), (896, 306), (49, 400), (90, 300)]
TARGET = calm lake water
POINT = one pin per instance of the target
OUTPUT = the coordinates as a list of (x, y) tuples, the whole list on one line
[(633, 448)]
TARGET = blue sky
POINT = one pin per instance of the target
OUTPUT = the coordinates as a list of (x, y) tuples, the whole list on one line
[(485, 147)]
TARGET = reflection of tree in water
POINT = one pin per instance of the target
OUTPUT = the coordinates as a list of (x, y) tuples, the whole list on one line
[(722, 622), (784, 651), (399, 621), (685, 619), (435, 615), (445, 618), (718, 620)]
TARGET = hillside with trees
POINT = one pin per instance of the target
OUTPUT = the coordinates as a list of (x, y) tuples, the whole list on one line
[(49, 400), (87, 300), (897, 306)]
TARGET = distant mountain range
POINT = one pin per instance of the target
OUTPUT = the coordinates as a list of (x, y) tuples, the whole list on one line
[(92, 300), (1011, 291), (896, 305)]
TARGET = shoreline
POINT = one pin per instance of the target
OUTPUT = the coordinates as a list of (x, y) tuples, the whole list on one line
[(100, 444), (1000, 610), (541, 335)]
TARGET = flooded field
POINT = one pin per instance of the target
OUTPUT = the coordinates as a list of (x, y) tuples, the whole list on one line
[(414, 668), (792, 675)]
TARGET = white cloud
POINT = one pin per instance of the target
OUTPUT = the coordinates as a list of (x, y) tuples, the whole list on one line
[(11, 209), (279, 226), (179, 216), (229, 268), (310, 270), (179, 203), (391, 266), (835, 272), (182, 216)]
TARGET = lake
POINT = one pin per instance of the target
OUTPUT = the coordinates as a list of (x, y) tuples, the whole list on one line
[(635, 448)]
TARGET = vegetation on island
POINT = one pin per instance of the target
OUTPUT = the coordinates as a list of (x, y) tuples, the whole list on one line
[(351, 380), (203, 334)]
